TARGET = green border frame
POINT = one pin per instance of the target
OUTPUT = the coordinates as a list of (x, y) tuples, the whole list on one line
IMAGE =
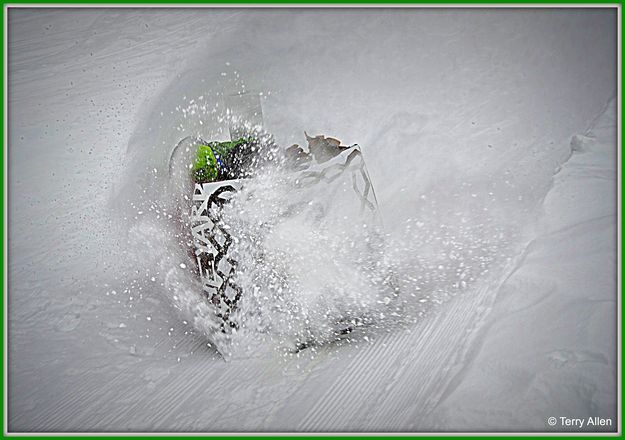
[(312, 3), (305, 3)]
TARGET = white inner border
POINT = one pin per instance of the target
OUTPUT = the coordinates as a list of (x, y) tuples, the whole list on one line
[(616, 6)]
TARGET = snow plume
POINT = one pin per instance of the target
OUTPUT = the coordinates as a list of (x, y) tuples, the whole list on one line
[(460, 236), (312, 269)]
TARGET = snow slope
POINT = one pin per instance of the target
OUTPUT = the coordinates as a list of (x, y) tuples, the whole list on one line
[(528, 348), (464, 117)]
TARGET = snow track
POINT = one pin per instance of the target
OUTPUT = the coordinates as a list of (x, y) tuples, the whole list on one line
[(391, 383)]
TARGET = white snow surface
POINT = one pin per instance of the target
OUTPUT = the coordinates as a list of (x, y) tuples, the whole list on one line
[(490, 136)]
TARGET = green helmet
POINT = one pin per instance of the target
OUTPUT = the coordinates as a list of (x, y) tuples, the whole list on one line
[(205, 168), (213, 161)]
